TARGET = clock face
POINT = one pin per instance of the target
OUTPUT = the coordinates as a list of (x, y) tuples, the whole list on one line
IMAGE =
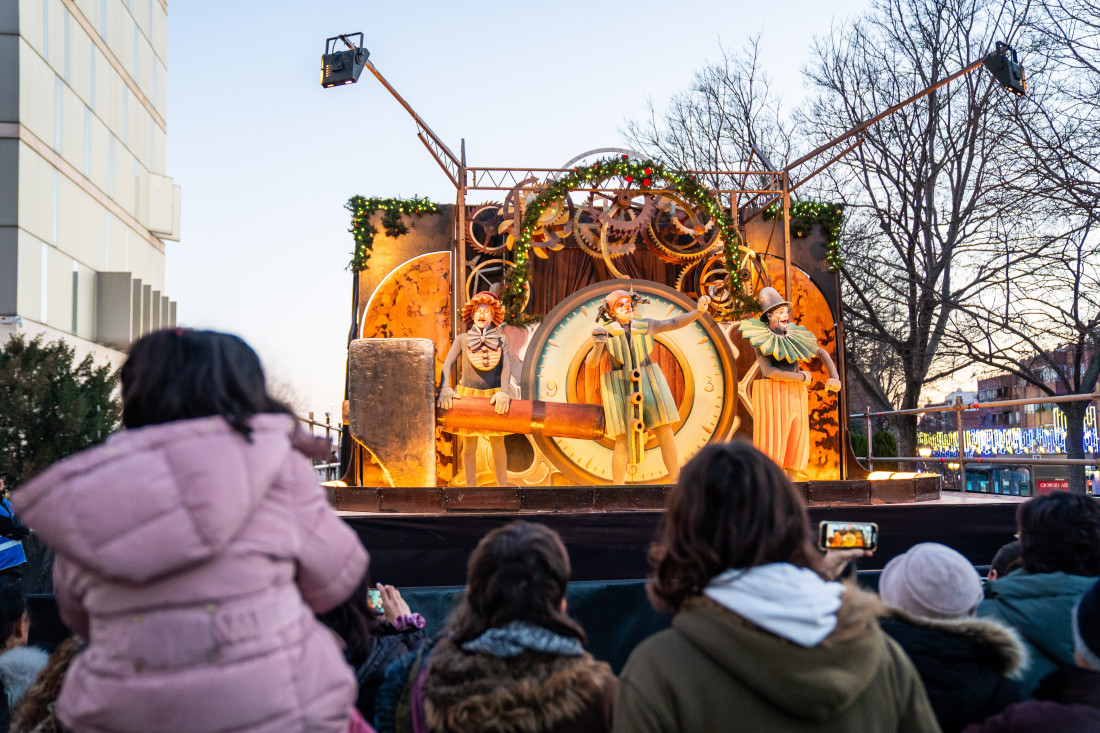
[(696, 360)]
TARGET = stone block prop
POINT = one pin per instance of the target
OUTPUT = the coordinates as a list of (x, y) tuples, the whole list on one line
[(391, 405)]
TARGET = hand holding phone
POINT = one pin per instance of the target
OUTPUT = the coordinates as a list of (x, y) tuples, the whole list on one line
[(848, 536)]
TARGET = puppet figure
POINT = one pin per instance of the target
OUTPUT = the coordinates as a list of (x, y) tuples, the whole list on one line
[(781, 420), (635, 395), (484, 371)]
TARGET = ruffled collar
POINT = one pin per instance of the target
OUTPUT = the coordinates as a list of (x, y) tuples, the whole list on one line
[(798, 344)]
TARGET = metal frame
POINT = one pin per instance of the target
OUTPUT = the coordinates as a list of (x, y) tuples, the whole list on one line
[(958, 408)]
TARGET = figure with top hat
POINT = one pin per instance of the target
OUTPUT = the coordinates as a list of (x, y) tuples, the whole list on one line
[(635, 395), (780, 397), (484, 371)]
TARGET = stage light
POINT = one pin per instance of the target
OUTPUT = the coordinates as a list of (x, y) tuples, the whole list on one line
[(343, 67), (1006, 69)]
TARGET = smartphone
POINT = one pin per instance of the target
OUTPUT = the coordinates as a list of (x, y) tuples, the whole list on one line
[(374, 600), (848, 536)]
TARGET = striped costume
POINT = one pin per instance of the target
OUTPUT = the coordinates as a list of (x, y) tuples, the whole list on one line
[(630, 353)]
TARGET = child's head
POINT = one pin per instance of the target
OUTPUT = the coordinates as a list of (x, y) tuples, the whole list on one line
[(518, 572), (733, 507), (178, 374), (14, 624)]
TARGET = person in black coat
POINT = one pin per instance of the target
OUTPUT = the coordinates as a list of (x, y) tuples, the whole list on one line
[(374, 638), (966, 663)]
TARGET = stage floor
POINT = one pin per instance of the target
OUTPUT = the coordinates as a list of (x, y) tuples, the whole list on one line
[(459, 499)]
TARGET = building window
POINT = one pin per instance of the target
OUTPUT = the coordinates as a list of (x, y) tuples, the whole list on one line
[(91, 69), (67, 42), (76, 294), (103, 19), (43, 309), (57, 84), (111, 167), (87, 142)]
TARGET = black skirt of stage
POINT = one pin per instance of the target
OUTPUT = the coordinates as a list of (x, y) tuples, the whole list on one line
[(431, 550)]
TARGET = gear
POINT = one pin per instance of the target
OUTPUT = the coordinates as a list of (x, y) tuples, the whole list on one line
[(483, 229), (679, 233)]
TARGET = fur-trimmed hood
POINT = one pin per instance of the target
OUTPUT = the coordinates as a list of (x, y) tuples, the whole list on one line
[(1007, 655), (18, 669), (529, 693)]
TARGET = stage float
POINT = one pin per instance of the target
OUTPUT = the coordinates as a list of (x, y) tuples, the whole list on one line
[(569, 429)]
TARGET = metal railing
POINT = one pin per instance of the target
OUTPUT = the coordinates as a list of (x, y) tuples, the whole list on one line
[(959, 407), (327, 470)]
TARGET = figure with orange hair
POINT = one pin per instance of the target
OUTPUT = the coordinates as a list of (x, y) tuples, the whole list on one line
[(484, 371)]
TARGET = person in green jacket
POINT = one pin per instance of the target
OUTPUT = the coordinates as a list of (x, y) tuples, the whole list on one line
[(1060, 549), (760, 640)]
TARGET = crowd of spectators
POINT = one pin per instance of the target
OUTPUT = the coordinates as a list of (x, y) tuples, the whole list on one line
[(209, 587)]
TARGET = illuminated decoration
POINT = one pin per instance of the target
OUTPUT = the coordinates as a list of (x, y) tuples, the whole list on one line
[(647, 176), (805, 214), (343, 67), (392, 224), (1006, 69), (1013, 441)]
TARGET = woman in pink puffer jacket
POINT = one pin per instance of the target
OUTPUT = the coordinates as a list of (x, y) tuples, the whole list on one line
[(192, 551)]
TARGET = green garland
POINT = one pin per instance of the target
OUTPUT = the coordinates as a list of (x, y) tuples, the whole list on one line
[(804, 214), (392, 224), (648, 175)]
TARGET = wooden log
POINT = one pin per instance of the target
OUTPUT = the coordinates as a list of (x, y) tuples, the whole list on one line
[(558, 419)]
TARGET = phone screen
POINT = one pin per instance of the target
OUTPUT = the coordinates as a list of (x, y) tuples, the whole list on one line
[(848, 536), (374, 600)]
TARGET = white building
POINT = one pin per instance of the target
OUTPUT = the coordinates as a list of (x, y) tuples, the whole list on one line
[(85, 202)]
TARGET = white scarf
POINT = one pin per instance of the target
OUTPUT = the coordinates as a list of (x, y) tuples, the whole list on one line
[(786, 600)]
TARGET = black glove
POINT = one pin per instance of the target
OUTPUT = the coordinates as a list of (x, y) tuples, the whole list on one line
[(17, 533)]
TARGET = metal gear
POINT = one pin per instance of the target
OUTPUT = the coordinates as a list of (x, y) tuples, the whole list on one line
[(483, 229)]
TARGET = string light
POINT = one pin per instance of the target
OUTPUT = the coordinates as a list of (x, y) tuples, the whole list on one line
[(805, 214), (393, 225), (652, 175)]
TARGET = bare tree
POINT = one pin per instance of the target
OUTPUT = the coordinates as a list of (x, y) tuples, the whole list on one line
[(1046, 319), (930, 222), (714, 125)]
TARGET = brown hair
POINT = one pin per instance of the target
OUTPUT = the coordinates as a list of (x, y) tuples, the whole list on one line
[(483, 298), (518, 572), (732, 508), (35, 710)]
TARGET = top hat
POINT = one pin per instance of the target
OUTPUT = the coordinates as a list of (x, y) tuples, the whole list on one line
[(770, 298)]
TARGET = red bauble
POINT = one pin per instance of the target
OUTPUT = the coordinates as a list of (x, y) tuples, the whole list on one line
[(625, 156), (648, 171), (645, 182), (630, 179)]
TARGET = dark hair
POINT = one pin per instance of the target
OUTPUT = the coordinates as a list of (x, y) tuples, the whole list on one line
[(13, 604), (517, 572), (1060, 531), (733, 507), (351, 621), (179, 374), (1005, 558)]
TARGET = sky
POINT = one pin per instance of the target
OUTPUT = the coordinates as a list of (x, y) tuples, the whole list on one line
[(266, 158)]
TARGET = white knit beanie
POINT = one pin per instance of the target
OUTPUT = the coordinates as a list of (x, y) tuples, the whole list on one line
[(933, 581)]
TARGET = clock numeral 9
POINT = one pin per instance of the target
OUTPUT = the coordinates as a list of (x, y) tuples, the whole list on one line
[(551, 388)]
